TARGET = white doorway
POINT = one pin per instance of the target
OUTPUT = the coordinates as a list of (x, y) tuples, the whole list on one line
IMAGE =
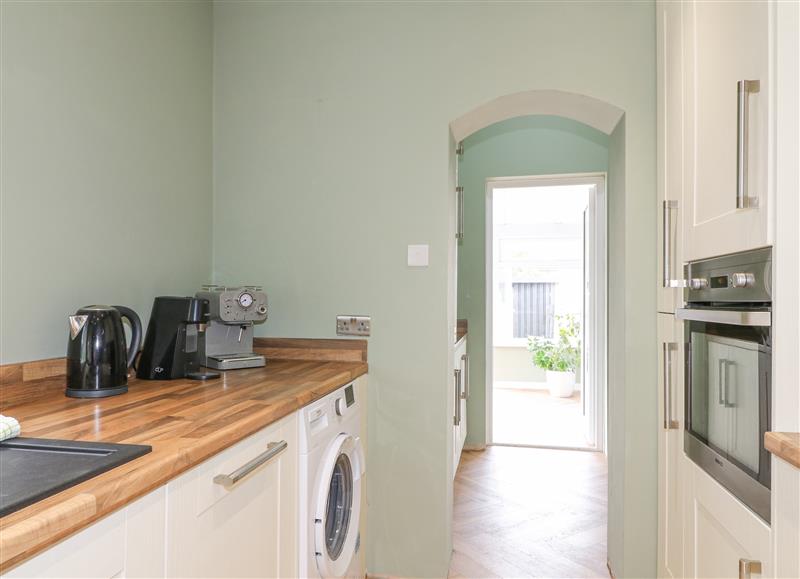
[(546, 285)]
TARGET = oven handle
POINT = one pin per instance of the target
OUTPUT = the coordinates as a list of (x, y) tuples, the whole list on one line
[(730, 317)]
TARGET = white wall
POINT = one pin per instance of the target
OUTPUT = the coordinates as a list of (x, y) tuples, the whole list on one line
[(331, 155)]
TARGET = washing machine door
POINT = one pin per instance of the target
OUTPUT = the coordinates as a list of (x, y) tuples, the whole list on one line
[(338, 505)]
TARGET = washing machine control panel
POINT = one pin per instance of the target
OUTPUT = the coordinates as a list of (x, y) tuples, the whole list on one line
[(342, 404)]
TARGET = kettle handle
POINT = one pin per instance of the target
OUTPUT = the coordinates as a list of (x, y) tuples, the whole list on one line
[(136, 332)]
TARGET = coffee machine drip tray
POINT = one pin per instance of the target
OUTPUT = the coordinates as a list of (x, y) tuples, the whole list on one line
[(235, 361)]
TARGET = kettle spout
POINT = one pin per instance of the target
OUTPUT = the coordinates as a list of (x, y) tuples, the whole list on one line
[(76, 324)]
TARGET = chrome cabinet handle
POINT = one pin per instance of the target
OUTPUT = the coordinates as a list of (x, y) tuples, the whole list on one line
[(747, 567), (273, 450), (457, 416), (744, 89), (669, 206), (669, 422), (460, 212), (465, 360)]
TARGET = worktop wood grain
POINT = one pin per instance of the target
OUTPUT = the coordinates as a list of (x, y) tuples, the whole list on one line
[(461, 329), (784, 445), (184, 421)]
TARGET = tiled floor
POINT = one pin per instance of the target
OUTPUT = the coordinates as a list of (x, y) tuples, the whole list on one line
[(529, 512), (535, 418)]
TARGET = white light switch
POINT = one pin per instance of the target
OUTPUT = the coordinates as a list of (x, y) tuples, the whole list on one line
[(418, 255)]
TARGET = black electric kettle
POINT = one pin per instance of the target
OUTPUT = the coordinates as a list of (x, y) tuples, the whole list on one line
[(97, 359)]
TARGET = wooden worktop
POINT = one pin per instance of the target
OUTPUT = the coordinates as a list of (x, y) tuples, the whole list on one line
[(461, 330), (784, 445), (185, 422)]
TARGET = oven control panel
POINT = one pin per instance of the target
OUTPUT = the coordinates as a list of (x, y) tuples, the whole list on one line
[(743, 277)]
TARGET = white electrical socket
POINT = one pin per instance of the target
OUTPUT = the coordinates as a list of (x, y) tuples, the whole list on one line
[(353, 325)]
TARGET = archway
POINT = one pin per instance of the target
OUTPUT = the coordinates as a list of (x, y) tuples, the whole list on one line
[(585, 109), (610, 120)]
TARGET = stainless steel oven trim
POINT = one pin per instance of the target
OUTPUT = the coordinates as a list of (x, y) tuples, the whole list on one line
[(751, 492), (731, 317)]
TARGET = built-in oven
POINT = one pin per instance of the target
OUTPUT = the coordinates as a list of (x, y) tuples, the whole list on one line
[(728, 332)]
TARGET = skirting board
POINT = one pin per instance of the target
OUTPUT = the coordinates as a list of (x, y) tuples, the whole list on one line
[(474, 447)]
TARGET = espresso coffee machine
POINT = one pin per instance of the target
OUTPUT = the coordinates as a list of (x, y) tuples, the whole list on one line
[(233, 311), (174, 339)]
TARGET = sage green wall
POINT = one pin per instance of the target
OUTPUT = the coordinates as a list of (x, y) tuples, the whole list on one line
[(535, 145), (331, 155), (105, 130)]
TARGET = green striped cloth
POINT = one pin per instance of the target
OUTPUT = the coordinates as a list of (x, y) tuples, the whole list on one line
[(9, 427)]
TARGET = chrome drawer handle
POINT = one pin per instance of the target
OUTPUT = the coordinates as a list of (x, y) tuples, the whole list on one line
[(747, 567), (273, 450)]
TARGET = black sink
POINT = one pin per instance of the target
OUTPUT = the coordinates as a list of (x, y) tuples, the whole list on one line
[(35, 468)]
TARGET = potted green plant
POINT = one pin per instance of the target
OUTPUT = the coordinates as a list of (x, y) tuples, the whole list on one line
[(559, 357)]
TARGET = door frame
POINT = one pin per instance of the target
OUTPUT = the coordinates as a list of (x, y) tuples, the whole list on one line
[(599, 285)]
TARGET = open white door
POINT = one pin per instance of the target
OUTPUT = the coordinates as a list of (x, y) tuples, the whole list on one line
[(588, 385)]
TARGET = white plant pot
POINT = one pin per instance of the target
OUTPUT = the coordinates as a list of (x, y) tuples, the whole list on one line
[(560, 384)]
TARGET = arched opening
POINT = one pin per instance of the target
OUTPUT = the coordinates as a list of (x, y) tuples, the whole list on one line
[(608, 120)]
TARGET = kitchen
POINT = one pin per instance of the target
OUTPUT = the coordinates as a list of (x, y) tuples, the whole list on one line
[(151, 148)]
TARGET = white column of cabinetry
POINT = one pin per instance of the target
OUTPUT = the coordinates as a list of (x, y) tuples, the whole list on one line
[(670, 448), (725, 43), (670, 96), (670, 153)]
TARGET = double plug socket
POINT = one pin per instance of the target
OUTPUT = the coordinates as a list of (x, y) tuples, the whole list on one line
[(353, 325)]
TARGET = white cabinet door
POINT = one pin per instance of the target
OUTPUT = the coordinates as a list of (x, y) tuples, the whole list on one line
[(670, 152), (127, 543), (241, 530), (464, 363), (670, 448), (721, 531), (727, 42), (97, 552), (460, 393)]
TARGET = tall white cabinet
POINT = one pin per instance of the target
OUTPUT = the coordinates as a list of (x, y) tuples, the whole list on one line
[(728, 124), (716, 124), (672, 208), (670, 154)]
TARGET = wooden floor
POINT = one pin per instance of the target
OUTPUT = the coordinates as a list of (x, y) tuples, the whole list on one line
[(526, 512)]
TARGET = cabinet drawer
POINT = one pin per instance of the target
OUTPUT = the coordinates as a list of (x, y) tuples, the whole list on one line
[(243, 529), (208, 492)]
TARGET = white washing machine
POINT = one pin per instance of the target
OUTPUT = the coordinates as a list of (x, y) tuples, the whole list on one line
[(331, 470)]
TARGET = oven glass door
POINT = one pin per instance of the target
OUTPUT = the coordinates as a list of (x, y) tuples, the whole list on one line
[(728, 398)]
